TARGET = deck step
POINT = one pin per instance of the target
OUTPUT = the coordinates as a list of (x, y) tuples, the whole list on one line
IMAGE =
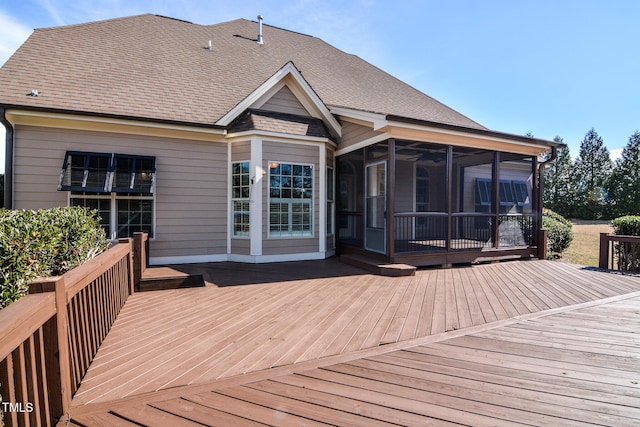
[(161, 278), (377, 267)]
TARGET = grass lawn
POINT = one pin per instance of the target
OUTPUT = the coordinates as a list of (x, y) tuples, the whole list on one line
[(586, 242)]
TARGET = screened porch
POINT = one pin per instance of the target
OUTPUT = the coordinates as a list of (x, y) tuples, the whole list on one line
[(427, 203)]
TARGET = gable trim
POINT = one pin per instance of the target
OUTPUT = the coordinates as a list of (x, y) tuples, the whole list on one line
[(292, 78)]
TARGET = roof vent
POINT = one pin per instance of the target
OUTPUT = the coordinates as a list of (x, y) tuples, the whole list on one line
[(260, 18), (34, 92), (209, 48)]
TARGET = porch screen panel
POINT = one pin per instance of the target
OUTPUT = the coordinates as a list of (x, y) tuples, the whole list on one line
[(420, 211), (349, 199), (515, 227), (473, 198)]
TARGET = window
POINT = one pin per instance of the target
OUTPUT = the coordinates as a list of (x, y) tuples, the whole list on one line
[(86, 172), (133, 174), (483, 192), (119, 187), (290, 199), (121, 215), (240, 195), (506, 194), (521, 192), (422, 189), (512, 193)]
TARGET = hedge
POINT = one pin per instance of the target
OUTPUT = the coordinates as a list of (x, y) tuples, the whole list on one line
[(559, 232), (627, 225), (44, 243)]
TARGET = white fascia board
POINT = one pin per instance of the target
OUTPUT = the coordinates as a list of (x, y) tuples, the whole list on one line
[(362, 144), (258, 97), (409, 126), (279, 136), (366, 118)]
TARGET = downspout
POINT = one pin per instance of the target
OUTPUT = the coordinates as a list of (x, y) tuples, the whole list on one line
[(541, 168), (8, 161)]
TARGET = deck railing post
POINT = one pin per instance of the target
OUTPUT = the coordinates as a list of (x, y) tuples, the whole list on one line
[(130, 264), (603, 259), (62, 323), (139, 255), (543, 244)]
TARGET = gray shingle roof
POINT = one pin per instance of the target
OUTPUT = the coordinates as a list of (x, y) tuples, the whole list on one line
[(159, 68), (279, 122)]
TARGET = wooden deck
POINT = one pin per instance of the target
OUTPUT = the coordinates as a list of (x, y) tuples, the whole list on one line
[(526, 342)]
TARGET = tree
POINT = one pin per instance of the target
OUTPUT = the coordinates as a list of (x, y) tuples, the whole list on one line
[(558, 193), (592, 170), (624, 185)]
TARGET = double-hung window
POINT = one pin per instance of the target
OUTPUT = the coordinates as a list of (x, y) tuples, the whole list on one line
[(290, 200), (119, 186), (240, 196)]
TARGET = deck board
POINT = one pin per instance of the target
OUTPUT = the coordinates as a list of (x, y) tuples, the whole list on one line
[(506, 343)]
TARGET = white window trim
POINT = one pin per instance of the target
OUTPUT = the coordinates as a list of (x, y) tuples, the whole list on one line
[(113, 209), (246, 236), (311, 203), (331, 203)]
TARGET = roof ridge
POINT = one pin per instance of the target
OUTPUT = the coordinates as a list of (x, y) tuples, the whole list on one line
[(100, 21)]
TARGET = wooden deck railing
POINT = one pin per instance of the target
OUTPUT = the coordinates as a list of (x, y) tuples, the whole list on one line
[(49, 337), (621, 253)]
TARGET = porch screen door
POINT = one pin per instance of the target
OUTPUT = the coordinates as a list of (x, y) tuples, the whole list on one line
[(375, 208)]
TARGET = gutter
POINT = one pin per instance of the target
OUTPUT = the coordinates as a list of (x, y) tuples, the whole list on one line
[(110, 116), (476, 131), (8, 162)]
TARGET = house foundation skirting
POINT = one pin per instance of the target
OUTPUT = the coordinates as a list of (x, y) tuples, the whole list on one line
[(424, 259), (250, 259)]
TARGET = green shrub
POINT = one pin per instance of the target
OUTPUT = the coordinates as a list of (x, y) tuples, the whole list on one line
[(554, 215), (559, 232), (627, 225), (44, 243)]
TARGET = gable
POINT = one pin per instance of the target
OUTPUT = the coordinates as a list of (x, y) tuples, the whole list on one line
[(290, 77), (284, 101)]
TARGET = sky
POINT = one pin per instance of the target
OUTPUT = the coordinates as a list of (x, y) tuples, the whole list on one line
[(546, 67)]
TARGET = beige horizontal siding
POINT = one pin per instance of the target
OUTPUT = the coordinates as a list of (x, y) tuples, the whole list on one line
[(241, 151), (353, 133), (191, 182), (241, 246), (289, 246), (284, 101)]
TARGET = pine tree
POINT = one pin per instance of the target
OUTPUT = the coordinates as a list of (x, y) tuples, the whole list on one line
[(624, 186), (592, 170), (558, 194)]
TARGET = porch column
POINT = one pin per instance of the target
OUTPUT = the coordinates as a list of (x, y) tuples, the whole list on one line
[(255, 202), (537, 189), (322, 189), (496, 199), (391, 188), (449, 185)]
